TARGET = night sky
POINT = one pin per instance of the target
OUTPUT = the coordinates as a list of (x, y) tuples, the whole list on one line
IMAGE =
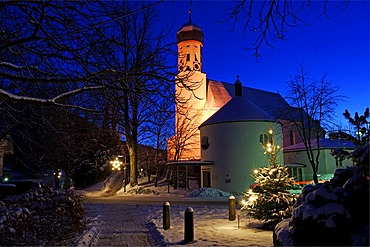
[(338, 46)]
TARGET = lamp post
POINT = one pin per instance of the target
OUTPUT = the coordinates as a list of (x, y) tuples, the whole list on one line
[(124, 178)]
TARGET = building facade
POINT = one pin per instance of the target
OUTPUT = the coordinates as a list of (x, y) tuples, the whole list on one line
[(222, 124)]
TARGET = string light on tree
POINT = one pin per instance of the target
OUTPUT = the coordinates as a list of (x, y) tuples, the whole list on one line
[(269, 200)]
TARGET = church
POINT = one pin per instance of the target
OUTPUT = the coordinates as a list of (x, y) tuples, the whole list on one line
[(220, 126)]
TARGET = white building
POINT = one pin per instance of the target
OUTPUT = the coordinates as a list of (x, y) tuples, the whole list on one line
[(232, 120)]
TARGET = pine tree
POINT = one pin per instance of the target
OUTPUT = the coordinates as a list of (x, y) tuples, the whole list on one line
[(270, 200)]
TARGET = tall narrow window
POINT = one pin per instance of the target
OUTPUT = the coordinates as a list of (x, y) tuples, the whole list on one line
[(188, 57), (291, 137), (196, 57), (296, 172), (338, 161)]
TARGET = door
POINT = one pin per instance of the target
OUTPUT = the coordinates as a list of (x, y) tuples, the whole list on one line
[(206, 178)]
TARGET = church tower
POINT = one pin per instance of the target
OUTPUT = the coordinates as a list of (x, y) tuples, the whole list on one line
[(189, 43), (191, 85)]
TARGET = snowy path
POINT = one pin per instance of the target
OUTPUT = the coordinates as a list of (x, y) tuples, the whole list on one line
[(141, 225), (212, 228), (119, 225)]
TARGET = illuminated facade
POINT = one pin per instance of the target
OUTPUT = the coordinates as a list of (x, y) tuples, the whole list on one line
[(223, 124)]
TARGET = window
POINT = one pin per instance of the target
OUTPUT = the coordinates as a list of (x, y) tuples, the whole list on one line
[(338, 161), (188, 57), (264, 139), (205, 142), (296, 172), (291, 137), (196, 57)]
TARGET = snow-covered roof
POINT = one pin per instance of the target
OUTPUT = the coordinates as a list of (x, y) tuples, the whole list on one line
[(238, 109), (324, 144), (218, 93)]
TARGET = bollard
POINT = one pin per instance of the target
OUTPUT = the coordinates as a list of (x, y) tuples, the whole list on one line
[(189, 225), (232, 212), (166, 216)]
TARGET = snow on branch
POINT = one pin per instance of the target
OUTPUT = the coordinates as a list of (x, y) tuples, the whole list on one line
[(53, 101)]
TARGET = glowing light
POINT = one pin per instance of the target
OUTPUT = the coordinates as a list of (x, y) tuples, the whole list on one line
[(252, 198), (268, 145), (116, 164), (270, 131), (269, 149), (255, 171)]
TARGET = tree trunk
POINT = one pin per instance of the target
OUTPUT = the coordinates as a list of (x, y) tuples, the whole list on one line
[(132, 148), (314, 176)]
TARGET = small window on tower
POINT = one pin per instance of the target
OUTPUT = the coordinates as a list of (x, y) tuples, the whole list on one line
[(188, 57), (196, 57), (196, 46), (187, 45)]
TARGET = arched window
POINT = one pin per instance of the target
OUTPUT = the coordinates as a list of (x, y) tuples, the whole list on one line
[(264, 139), (196, 57), (188, 57)]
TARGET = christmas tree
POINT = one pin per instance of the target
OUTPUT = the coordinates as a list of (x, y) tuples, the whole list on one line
[(270, 200)]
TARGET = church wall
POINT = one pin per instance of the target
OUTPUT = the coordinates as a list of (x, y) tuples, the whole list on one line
[(235, 151), (327, 163)]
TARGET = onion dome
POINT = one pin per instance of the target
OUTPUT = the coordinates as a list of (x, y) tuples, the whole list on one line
[(189, 31)]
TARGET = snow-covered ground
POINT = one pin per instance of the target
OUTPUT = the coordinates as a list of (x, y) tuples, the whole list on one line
[(212, 228), (211, 224)]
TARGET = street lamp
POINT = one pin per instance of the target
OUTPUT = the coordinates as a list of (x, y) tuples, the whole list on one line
[(116, 164), (125, 178)]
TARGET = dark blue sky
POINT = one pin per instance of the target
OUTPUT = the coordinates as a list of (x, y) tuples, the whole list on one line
[(338, 46)]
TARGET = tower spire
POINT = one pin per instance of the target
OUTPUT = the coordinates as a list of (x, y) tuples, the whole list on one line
[(189, 15)]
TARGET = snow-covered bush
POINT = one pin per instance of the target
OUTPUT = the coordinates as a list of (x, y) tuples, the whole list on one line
[(208, 192), (41, 217), (141, 190), (334, 213)]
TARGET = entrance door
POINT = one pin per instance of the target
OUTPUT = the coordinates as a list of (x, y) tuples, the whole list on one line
[(206, 175)]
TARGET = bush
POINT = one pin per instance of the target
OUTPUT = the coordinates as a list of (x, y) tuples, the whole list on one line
[(334, 213), (41, 217)]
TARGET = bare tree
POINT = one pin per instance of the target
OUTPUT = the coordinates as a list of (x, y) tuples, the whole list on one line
[(45, 43), (271, 19), (315, 102), (142, 73), (186, 133)]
